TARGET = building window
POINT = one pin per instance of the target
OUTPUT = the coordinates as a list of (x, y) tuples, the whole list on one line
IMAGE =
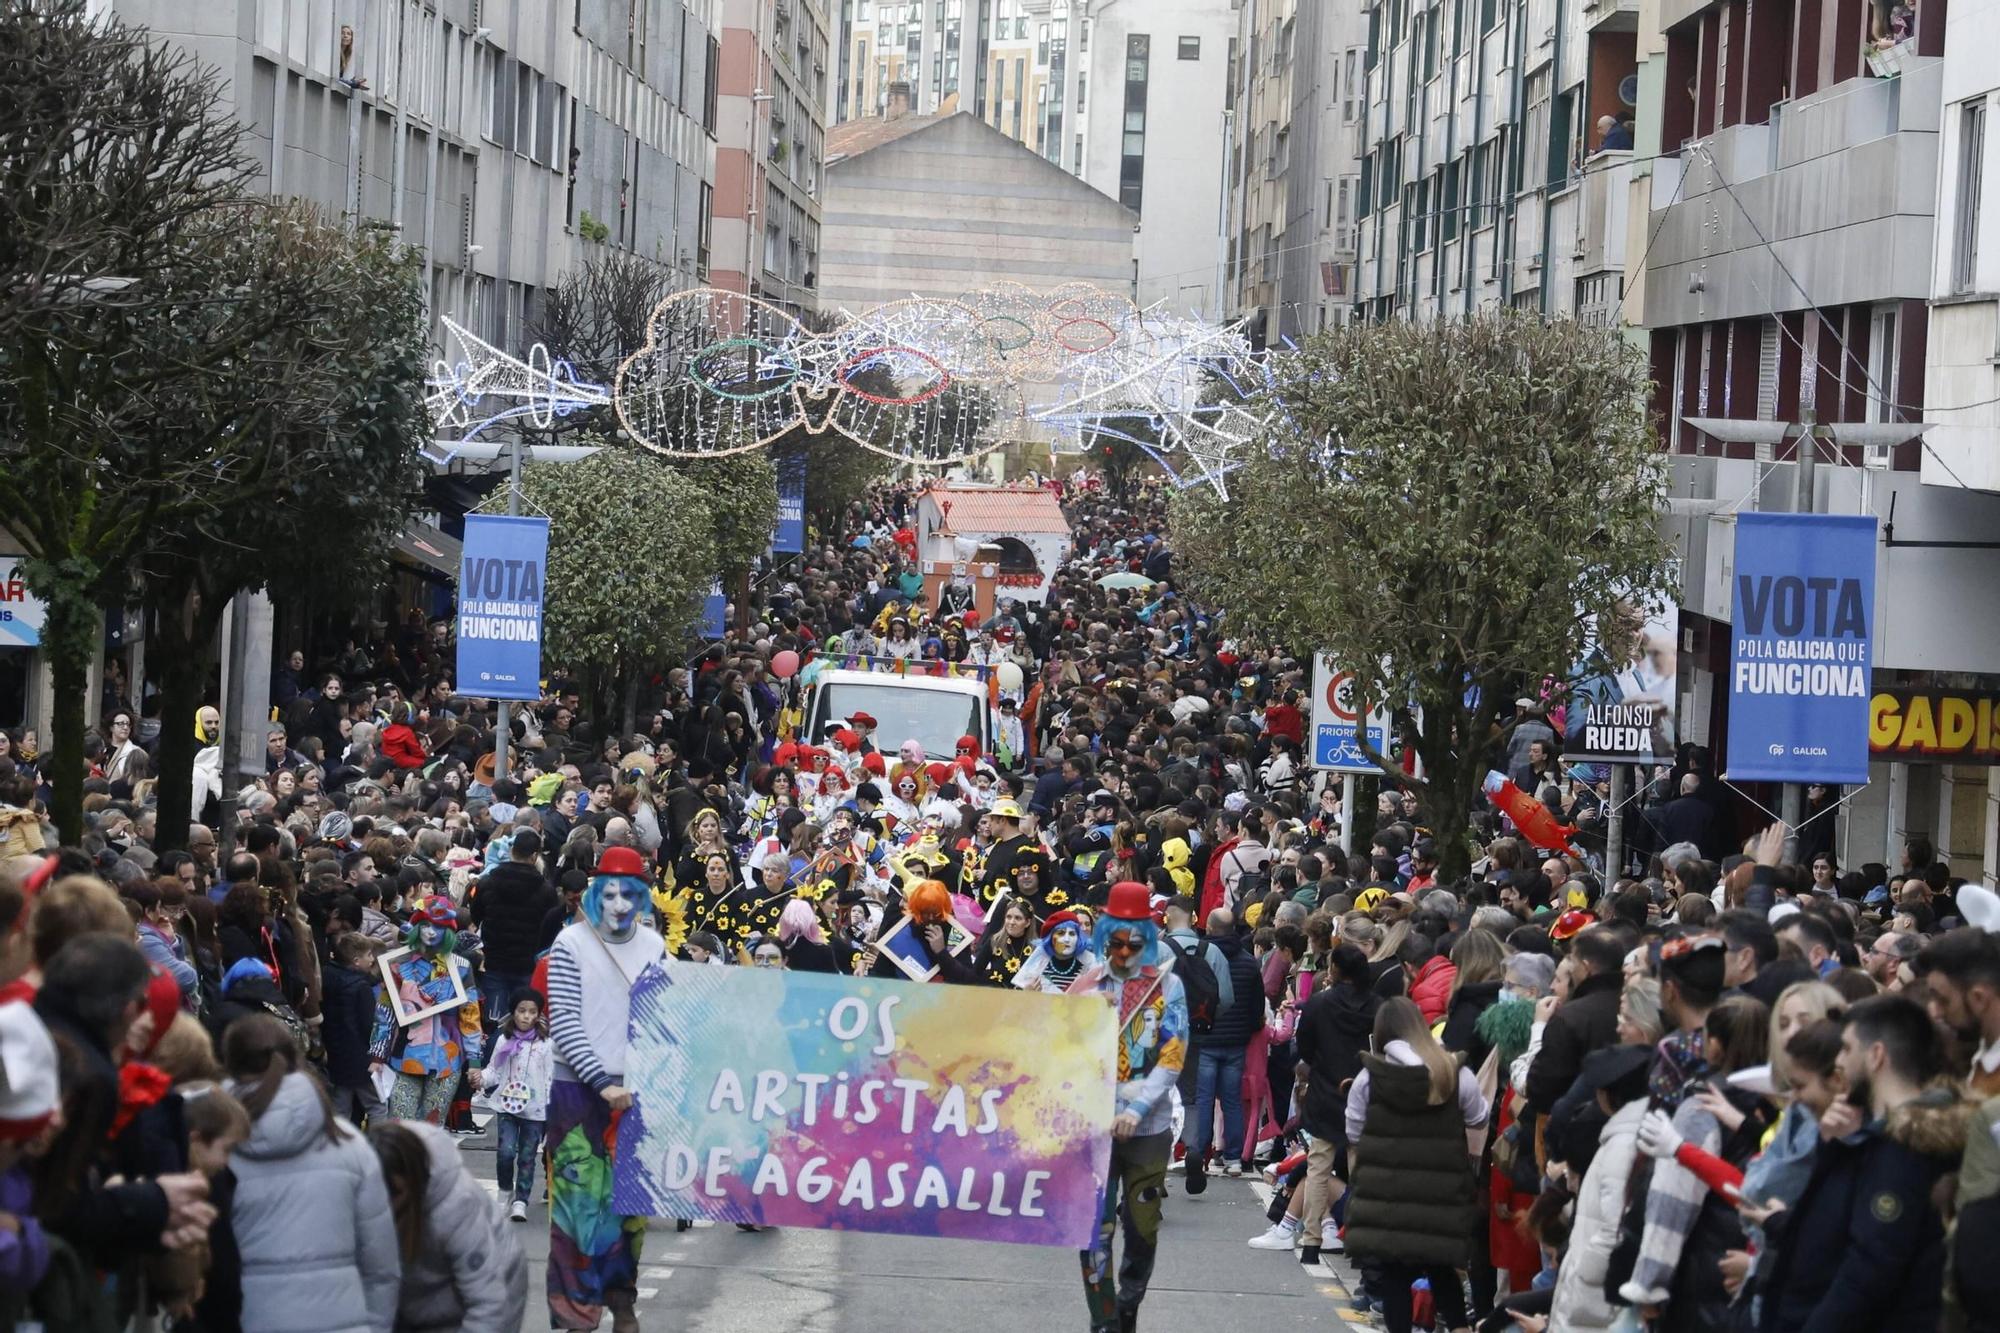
[(1132, 164), (711, 77), (1882, 367), (1965, 217), (1190, 48)]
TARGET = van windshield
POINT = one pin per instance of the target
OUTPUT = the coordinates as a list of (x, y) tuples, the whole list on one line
[(935, 718)]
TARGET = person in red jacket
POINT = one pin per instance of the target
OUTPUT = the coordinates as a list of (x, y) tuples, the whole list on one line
[(1430, 975), (1283, 719), (400, 742)]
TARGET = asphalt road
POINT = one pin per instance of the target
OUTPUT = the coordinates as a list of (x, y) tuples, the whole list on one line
[(716, 1279)]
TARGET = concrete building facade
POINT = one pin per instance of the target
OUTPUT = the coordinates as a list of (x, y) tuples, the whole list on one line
[(1295, 94), (772, 84), (938, 205)]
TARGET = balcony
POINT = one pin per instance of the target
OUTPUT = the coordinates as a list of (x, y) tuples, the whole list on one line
[(1840, 186), (1601, 213), (1611, 15)]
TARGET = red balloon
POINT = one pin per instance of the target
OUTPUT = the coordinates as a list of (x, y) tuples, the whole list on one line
[(785, 664)]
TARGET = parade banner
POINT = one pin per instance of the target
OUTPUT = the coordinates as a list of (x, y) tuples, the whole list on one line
[(21, 612), (788, 536), (1621, 708), (715, 612), (500, 582), (1802, 642), (814, 1100), (1920, 724)]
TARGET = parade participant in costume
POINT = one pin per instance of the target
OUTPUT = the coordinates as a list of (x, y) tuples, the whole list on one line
[(904, 803), (1059, 958), (427, 1047), (725, 906), (1034, 882), (1137, 978), (930, 908), (593, 1251), (899, 642), (701, 838), (775, 795), (1003, 817), (1001, 953), (834, 793), (814, 761), (864, 725), (952, 633)]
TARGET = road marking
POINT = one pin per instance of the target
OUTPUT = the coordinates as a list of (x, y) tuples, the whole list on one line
[(656, 1274), (647, 1293)]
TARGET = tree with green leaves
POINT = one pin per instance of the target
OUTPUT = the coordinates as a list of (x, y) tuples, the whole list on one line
[(1447, 511), (631, 555), (160, 332), (331, 415)]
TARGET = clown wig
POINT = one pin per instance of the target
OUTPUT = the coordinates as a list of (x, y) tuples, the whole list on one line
[(593, 897), (1107, 926)]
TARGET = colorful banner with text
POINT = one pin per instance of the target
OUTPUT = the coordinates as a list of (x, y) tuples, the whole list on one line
[(1802, 644), (812, 1100)]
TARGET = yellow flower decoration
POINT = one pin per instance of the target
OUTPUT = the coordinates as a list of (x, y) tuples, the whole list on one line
[(673, 910), (1055, 898), (812, 890)]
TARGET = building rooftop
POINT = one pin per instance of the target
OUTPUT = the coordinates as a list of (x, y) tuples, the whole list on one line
[(1005, 509), (855, 137)]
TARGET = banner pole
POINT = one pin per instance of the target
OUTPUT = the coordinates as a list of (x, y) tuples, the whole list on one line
[(1614, 827), (504, 732)]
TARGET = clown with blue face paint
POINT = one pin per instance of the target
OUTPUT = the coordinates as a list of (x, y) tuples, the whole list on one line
[(593, 1250), (1059, 959), (428, 1051)]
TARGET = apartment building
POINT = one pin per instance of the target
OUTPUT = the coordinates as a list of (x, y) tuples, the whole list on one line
[(1294, 131), (1497, 157), (772, 82), (503, 137), (937, 47)]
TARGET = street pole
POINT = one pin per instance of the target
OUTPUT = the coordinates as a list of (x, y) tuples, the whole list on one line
[(501, 733), (1614, 828), (1792, 795), (1347, 799)]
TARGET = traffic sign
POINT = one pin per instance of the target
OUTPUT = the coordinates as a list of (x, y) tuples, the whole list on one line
[(1338, 728)]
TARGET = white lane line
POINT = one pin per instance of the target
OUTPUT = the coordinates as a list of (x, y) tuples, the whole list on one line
[(656, 1274), (647, 1293)]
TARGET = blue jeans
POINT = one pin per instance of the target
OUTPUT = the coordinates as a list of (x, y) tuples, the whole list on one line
[(497, 988), (517, 1163), (1220, 1074)]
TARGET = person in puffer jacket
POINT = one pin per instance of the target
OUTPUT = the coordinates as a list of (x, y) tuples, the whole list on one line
[(461, 1267), (310, 1214)]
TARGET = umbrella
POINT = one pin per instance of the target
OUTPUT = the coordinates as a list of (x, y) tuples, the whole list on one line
[(1125, 580)]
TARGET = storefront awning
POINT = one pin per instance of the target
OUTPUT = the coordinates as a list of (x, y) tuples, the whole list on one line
[(429, 551)]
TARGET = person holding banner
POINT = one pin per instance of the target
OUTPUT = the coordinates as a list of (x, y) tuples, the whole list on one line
[(1152, 1044), (594, 1252)]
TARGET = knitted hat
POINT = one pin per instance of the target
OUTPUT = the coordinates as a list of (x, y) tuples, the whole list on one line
[(29, 1088)]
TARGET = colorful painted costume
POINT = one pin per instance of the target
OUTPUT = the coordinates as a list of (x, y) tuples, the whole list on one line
[(1152, 1044), (429, 1054), (593, 1250)]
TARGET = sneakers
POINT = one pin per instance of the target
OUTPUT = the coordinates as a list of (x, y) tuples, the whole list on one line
[(1332, 1244), (1233, 1170), (1279, 1237), (517, 1211), (1308, 1255), (1197, 1179)]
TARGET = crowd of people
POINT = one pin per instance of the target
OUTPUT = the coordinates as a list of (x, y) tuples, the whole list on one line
[(1716, 1090)]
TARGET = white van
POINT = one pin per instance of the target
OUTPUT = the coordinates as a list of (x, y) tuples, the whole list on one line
[(934, 710)]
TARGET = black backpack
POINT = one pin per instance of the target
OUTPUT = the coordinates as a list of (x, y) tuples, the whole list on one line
[(1198, 983)]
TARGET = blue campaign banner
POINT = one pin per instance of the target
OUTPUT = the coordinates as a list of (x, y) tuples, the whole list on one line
[(1802, 644), (788, 537), (500, 587), (715, 613)]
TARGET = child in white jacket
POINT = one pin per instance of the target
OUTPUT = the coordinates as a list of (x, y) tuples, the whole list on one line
[(515, 1083)]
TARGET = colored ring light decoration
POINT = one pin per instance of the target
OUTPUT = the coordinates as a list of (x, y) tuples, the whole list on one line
[(727, 345), (862, 358), (1063, 336), (1027, 332)]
